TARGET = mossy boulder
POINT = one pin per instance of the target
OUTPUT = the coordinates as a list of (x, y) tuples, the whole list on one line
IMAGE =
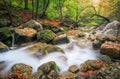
[(20, 71), (24, 35), (45, 36), (33, 24), (3, 47), (61, 39), (39, 49), (50, 69)]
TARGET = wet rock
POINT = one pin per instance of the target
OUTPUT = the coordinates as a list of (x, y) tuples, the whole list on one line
[(50, 69), (91, 65), (96, 44), (112, 28), (105, 58), (55, 29), (40, 49), (33, 24), (45, 36), (38, 75), (3, 47), (108, 71), (24, 35), (61, 39), (20, 71), (69, 75), (73, 69), (111, 49), (81, 34)]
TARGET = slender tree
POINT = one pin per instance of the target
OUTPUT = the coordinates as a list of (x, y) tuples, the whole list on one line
[(37, 7), (26, 4), (33, 9), (45, 6), (9, 11)]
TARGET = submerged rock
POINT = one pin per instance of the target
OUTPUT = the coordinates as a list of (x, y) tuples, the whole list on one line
[(61, 39), (33, 24), (40, 49), (20, 71), (111, 49), (45, 36)]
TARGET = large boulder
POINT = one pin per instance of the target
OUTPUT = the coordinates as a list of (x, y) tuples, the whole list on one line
[(45, 36), (111, 49), (3, 47), (50, 69), (112, 28), (24, 35), (20, 71), (33, 24), (61, 39), (40, 49)]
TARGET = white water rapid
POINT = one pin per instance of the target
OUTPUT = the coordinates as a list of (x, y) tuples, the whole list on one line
[(74, 55)]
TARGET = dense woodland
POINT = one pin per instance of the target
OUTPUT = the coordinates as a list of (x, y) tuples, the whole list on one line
[(76, 12)]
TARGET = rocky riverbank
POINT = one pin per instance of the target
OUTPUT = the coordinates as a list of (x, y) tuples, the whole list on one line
[(45, 40)]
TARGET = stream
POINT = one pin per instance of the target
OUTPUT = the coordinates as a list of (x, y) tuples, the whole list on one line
[(73, 55)]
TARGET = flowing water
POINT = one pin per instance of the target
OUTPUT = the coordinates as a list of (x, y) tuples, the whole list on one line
[(74, 55)]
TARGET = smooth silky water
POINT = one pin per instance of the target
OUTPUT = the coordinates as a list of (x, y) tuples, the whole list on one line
[(73, 55)]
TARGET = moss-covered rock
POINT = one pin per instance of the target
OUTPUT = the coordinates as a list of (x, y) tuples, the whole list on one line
[(41, 49), (33, 24), (61, 39), (24, 35), (45, 36), (20, 71), (50, 69)]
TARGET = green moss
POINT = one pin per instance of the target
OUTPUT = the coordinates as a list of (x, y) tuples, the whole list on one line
[(45, 35)]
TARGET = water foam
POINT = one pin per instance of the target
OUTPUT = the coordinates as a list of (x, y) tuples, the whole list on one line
[(74, 55)]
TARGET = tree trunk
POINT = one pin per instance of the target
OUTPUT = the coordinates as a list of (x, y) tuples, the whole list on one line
[(26, 4), (9, 12), (33, 9), (45, 6), (37, 6)]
